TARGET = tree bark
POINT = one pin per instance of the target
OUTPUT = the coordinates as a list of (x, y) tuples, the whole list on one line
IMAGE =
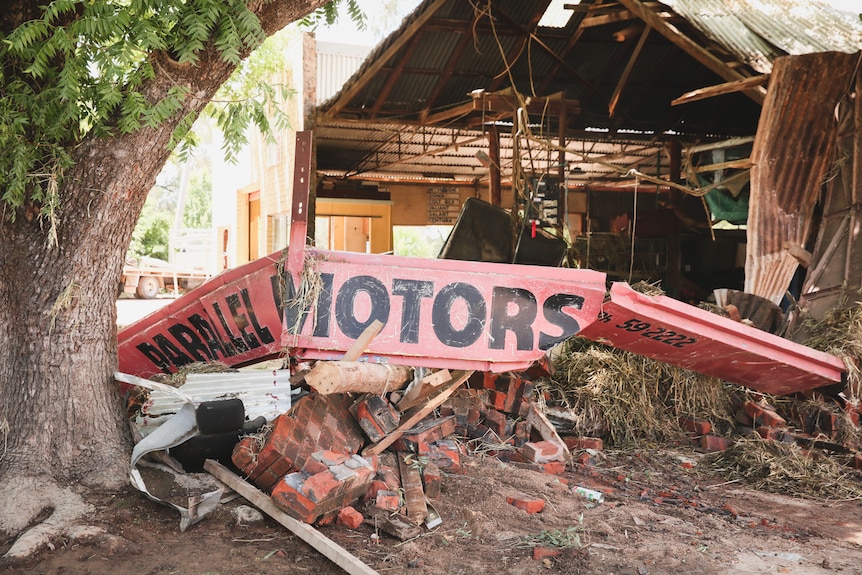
[(61, 414)]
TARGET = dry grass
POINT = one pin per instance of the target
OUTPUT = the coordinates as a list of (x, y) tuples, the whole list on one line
[(787, 469), (632, 400), (840, 333)]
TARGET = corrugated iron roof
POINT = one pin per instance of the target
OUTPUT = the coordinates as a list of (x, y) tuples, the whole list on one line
[(446, 49)]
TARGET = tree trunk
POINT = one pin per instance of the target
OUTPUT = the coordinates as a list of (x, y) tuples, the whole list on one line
[(61, 414)]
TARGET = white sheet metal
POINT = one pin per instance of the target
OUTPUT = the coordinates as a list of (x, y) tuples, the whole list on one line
[(263, 392)]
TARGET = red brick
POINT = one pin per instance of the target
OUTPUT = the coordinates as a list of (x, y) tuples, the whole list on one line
[(419, 438), (320, 485), (542, 552), (327, 519), (583, 442), (714, 443), (432, 479), (551, 467), (496, 421), (495, 399), (525, 503), (762, 416), (313, 466), (377, 417), (287, 497), (489, 380), (374, 488), (542, 451), (445, 455), (388, 500), (390, 476), (770, 433), (743, 418), (851, 408), (542, 367), (350, 518), (695, 426)]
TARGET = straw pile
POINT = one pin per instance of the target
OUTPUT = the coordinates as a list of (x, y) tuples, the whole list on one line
[(632, 400), (839, 332), (787, 469)]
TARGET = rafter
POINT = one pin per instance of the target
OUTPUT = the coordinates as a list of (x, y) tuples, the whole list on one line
[(688, 45), (630, 65)]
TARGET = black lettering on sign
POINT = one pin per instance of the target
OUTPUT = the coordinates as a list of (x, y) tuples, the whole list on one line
[(210, 336), (171, 352), (157, 357), (441, 317), (520, 324), (553, 312), (294, 311), (345, 302), (237, 342), (241, 321), (413, 292), (262, 332), (190, 340)]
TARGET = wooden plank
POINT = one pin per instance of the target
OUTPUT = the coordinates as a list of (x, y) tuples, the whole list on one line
[(414, 494), (442, 392), (630, 65), (395, 524), (422, 389), (740, 164), (358, 348), (720, 89), (325, 546)]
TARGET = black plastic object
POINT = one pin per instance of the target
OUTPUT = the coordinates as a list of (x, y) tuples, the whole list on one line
[(482, 233), (220, 416), (541, 250), (219, 446)]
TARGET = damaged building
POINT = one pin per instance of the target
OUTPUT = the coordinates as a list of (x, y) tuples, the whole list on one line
[(711, 148)]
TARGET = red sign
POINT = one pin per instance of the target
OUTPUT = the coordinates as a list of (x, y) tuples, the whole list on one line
[(673, 332), (233, 318), (437, 313)]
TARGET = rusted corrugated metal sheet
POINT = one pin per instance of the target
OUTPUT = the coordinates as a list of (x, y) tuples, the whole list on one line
[(791, 156), (834, 279)]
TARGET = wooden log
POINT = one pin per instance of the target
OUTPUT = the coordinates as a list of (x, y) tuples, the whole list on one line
[(357, 377), (413, 417), (325, 546)]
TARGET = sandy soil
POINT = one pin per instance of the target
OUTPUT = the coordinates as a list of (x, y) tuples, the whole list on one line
[(658, 517)]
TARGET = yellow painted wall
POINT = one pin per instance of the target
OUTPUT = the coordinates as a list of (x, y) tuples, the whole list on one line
[(379, 226)]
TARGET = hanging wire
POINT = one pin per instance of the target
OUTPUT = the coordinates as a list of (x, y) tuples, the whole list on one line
[(634, 230)]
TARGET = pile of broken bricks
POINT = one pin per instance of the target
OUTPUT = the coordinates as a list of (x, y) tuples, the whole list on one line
[(822, 428), (374, 441)]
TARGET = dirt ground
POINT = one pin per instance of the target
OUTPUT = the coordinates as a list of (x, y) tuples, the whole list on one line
[(659, 517)]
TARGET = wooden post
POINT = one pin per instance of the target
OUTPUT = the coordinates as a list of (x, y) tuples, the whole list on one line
[(494, 169)]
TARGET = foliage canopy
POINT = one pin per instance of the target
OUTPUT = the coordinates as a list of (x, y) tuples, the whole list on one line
[(80, 70)]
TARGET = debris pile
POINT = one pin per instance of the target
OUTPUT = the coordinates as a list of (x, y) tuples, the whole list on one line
[(373, 442)]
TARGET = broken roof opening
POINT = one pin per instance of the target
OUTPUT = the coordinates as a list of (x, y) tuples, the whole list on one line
[(558, 13)]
